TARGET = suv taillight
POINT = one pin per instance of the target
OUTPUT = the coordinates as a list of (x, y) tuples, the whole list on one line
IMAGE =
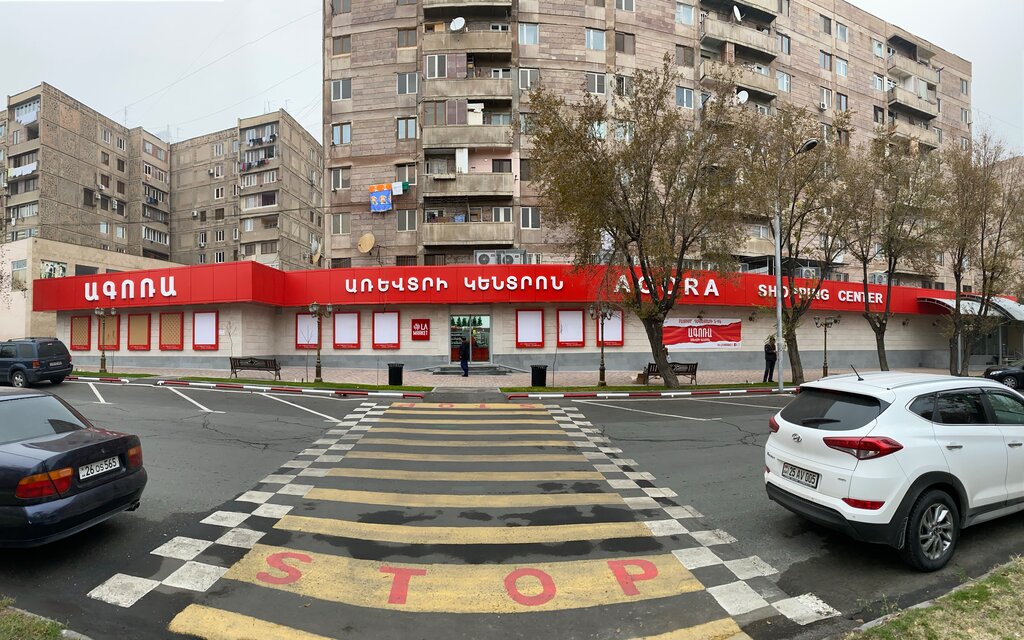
[(773, 424), (35, 364), (866, 448)]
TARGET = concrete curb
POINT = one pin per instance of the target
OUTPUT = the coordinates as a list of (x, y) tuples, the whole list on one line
[(296, 390), (64, 633), (92, 379), (650, 394)]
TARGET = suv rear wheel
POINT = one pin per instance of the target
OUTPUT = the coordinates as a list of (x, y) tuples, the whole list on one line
[(932, 531), (18, 379)]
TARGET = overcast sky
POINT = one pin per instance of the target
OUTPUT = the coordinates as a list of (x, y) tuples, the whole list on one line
[(118, 55)]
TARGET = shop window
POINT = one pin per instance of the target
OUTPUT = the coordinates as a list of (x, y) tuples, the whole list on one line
[(305, 331), (570, 328), (385, 330), (81, 329), (172, 334), (204, 330), (138, 332), (529, 329), (346, 330), (108, 329), (610, 332)]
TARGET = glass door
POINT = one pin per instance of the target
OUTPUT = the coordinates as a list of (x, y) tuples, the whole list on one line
[(475, 329)]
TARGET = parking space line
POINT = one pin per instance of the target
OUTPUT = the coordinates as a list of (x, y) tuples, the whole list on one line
[(96, 391), (653, 413), (201, 407), (292, 404)]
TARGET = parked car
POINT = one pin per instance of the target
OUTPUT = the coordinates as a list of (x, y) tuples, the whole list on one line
[(906, 460), (58, 473), (1011, 374), (26, 361)]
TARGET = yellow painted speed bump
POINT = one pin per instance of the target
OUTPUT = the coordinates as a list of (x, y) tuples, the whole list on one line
[(454, 457), (217, 624), (376, 421), (724, 629), (471, 432), (481, 444), (455, 501), (464, 476), (468, 412)]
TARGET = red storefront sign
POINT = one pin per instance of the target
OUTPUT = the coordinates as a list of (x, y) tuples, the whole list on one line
[(421, 329), (251, 282), (685, 334)]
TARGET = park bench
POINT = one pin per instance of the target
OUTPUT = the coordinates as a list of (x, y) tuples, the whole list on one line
[(255, 364), (681, 369)]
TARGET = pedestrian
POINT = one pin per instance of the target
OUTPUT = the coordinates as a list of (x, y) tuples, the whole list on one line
[(770, 356), (464, 357)]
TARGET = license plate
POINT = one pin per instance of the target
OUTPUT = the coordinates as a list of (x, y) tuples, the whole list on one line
[(56, 363), (96, 468), (800, 476)]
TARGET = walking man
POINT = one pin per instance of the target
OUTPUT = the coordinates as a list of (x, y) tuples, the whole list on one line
[(770, 356), (464, 357)]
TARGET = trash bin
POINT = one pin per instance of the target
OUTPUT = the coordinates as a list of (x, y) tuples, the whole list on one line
[(395, 373), (539, 377)]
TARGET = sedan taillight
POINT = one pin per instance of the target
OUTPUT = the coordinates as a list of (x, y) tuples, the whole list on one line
[(866, 448), (42, 485), (135, 457)]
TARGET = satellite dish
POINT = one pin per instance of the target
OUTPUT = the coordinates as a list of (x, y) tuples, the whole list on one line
[(366, 243), (742, 97), (736, 13), (458, 24)]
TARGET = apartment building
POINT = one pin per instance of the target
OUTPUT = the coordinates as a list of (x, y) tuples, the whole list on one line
[(426, 93), (251, 192)]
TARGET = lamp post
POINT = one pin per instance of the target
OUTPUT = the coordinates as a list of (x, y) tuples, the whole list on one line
[(807, 145), (102, 315), (825, 323), (601, 312), (319, 312)]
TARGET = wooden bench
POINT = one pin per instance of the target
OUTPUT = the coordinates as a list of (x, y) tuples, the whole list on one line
[(255, 364), (681, 369)]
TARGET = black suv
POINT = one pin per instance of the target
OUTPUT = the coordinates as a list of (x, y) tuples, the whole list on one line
[(26, 361)]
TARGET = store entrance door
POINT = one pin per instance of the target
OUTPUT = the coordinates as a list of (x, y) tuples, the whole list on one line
[(476, 329)]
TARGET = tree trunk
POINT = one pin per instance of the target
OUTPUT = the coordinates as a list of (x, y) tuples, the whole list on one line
[(883, 359), (653, 326), (796, 366), (953, 339)]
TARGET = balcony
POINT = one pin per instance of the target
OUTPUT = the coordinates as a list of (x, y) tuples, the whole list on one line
[(468, 88), (743, 77), (467, 184), (902, 67), (767, 6), (473, 41), (898, 96), (430, 4), (925, 137), (467, 136), (719, 31), (13, 173), (469, 233)]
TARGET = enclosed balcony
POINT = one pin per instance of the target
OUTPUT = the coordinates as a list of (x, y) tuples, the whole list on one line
[(925, 137), (467, 184), (469, 233), (903, 67), (431, 4), (468, 88), (470, 41), (743, 76), (910, 101), (467, 136), (715, 32)]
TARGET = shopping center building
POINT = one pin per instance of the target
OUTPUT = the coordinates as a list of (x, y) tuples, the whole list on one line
[(194, 317)]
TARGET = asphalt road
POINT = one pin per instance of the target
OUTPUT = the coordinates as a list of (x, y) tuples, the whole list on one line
[(206, 451)]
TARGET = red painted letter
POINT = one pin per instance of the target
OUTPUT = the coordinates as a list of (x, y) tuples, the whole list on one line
[(400, 584), (627, 579), (547, 587), (277, 561)]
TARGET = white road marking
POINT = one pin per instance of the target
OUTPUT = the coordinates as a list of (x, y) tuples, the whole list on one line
[(665, 527), (201, 407), (738, 404), (653, 413), (98, 396), (805, 609), (737, 598), (123, 590), (195, 576), (696, 557), (182, 548), (241, 538), (292, 404)]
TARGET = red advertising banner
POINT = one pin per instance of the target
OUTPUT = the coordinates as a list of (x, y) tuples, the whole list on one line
[(687, 334), (421, 329)]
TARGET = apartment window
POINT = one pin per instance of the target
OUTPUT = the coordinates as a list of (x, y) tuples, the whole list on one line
[(218, 171), (528, 78), (341, 6), (826, 132), (594, 39), (105, 228), (341, 133), (437, 66), (433, 114), (218, 193), (879, 116), (218, 235), (255, 201), (684, 97), (842, 67), (15, 137), (965, 115), (406, 219), (341, 89), (529, 217), (202, 218), (783, 79), (595, 83), (218, 256), (406, 173), (528, 33), (235, 144), (499, 26), (842, 33), (105, 158), (88, 197), (877, 48), (407, 82), (406, 38), (341, 263), (825, 60), (938, 104), (120, 231), (28, 210), (624, 85), (120, 164), (525, 124), (624, 5), (963, 86), (784, 43), (341, 178), (842, 101), (501, 165), (342, 45), (406, 128), (525, 170), (218, 214), (938, 136), (503, 73), (878, 82), (341, 223), (826, 25), (684, 55), (248, 224), (218, 149), (106, 136), (405, 261), (201, 258), (684, 13), (121, 144), (501, 214), (625, 43), (826, 97)]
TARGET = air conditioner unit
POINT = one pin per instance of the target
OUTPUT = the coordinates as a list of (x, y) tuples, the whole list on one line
[(744, 267), (101, 187), (513, 256), (877, 277), (96, 195), (823, 106), (485, 257), (808, 272), (209, 171), (202, 245)]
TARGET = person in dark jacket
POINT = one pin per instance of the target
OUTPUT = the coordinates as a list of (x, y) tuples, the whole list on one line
[(770, 357), (464, 357)]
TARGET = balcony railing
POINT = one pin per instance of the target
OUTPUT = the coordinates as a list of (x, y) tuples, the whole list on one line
[(907, 98), (467, 184), (742, 76), (467, 3), (453, 136), (474, 41), (902, 66), (468, 88), (22, 171), (926, 137), (715, 31), (469, 233)]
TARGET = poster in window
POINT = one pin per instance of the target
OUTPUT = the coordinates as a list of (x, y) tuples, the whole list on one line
[(570, 327), (612, 330), (346, 330), (529, 328), (385, 330), (305, 331), (204, 331)]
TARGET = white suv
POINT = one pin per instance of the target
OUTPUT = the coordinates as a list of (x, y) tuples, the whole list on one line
[(906, 460)]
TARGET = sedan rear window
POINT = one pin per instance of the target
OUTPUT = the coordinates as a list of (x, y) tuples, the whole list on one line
[(52, 350), (832, 410), (35, 417)]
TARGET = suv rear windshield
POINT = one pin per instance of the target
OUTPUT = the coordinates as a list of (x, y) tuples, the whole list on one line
[(35, 417), (832, 410), (54, 349)]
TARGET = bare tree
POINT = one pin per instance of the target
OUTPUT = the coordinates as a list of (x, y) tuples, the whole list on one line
[(632, 178)]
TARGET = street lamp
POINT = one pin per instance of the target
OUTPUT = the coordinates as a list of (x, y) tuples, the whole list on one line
[(825, 323), (601, 312), (319, 312), (102, 315), (807, 145)]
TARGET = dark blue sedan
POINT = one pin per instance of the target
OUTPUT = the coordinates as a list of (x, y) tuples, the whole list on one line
[(58, 473)]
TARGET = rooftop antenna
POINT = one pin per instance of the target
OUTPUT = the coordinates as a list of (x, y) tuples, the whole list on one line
[(859, 379)]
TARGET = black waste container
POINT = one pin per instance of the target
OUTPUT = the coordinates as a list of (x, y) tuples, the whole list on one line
[(539, 376), (395, 373)]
